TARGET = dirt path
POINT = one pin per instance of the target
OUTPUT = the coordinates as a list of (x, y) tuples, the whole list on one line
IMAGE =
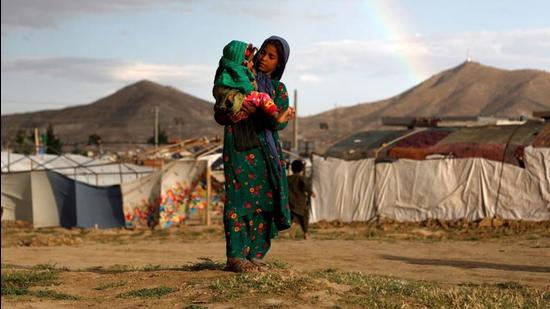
[(452, 262)]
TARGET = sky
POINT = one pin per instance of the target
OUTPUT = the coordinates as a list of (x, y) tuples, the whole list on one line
[(60, 53)]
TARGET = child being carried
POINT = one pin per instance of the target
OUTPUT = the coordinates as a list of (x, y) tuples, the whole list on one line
[(235, 87)]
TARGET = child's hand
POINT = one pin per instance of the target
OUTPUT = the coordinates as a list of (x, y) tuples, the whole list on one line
[(249, 108)]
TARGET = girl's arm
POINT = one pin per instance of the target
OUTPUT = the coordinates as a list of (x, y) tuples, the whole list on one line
[(281, 100)]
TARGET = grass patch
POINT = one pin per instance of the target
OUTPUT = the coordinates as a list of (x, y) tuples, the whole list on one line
[(19, 282), (53, 295), (110, 285), (387, 292), (49, 267), (195, 306), (148, 292), (278, 264), (231, 287), (204, 264)]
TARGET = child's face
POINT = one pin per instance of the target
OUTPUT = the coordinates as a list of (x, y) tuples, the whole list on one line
[(249, 56)]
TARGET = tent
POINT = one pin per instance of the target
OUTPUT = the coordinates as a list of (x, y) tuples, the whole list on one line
[(83, 205), (363, 144), (47, 198), (99, 172), (167, 197), (449, 189), (28, 196)]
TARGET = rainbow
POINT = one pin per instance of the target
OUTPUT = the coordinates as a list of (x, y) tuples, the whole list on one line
[(390, 23)]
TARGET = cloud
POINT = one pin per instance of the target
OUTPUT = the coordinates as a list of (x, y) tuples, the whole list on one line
[(430, 54), (39, 14), (310, 78), (108, 70)]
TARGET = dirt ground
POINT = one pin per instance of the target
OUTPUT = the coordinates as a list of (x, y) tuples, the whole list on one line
[(340, 266)]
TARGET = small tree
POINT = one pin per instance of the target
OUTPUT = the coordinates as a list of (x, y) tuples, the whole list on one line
[(24, 142), (163, 138), (53, 144)]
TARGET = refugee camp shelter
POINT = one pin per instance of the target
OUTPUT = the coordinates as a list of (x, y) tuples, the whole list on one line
[(47, 198), (439, 173), (99, 172)]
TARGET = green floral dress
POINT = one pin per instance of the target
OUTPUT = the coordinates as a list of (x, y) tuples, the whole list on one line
[(256, 205)]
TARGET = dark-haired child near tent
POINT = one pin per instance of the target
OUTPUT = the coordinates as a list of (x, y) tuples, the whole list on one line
[(299, 188)]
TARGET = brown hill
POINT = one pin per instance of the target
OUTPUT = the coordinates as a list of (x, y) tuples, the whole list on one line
[(125, 116), (470, 89)]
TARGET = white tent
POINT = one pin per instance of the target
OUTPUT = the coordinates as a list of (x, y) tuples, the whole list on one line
[(99, 172), (28, 196), (164, 197), (449, 189)]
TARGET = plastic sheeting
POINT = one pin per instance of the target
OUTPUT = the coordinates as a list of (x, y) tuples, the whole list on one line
[(543, 138), (29, 197), (46, 199), (86, 206), (141, 200), (449, 189), (99, 172), (167, 197), (343, 189), (363, 145)]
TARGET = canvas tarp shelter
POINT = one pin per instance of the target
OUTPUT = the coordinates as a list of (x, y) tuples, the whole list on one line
[(83, 205), (166, 197), (99, 172), (363, 144), (47, 199), (29, 197), (449, 189)]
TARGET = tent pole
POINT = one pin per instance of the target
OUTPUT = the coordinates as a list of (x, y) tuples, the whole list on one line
[(120, 171), (208, 192), (36, 142)]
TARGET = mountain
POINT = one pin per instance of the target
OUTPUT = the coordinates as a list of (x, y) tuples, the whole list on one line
[(470, 89), (125, 116)]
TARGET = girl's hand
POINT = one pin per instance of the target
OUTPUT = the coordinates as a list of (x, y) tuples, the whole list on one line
[(287, 115)]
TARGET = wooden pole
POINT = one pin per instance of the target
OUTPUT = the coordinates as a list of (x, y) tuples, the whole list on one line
[(156, 127), (296, 121), (208, 192), (36, 142)]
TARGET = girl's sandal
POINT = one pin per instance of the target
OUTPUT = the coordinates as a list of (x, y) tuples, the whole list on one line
[(240, 266)]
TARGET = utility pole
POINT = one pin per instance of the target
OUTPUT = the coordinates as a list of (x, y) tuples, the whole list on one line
[(296, 120), (36, 142), (156, 126)]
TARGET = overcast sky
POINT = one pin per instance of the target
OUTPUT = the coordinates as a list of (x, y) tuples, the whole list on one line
[(58, 53)]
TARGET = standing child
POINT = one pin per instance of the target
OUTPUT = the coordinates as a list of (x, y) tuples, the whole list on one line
[(299, 188)]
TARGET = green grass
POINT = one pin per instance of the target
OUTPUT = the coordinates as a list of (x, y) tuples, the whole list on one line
[(19, 282), (232, 287), (204, 264), (53, 295), (195, 306), (276, 264), (388, 292), (148, 292), (49, 267), (110, 285)]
